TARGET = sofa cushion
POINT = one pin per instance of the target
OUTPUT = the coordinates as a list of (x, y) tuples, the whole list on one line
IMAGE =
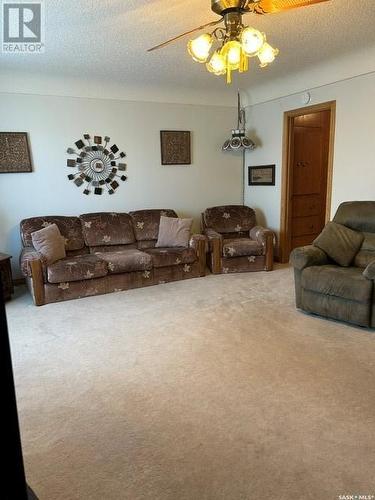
[(174, 232), (339, 242), (107, 228), (111, 248), (49, 242), (345, 282), (81, 267), (126, 261), (162, 257), (240, 247), (230, 218), (146, 222), (69, 227)]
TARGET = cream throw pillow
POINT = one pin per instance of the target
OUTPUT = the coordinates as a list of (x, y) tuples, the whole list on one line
[(49, 242), (174, 232)]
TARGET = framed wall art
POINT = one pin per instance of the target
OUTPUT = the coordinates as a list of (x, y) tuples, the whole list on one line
[(175, 147), (262, 175), (14, 153)]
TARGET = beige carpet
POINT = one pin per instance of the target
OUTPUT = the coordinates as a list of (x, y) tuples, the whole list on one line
[(207, 389)]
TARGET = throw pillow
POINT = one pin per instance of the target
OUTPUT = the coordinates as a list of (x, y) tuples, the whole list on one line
[(174, 232), (49, 242), (339, 242)]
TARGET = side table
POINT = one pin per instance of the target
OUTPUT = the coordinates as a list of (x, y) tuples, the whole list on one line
[(6, 275)]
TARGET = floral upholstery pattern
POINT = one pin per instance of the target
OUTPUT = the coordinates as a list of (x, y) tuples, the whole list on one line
[(118, 282), (81, 267), (146, 222), (242, 264), (111, 248), (28, 255), (70, 229), (162, 257), (230, 218), (104, 256), (126, 261), (241, 247), (107, 228), (142, 244), (235, 243)]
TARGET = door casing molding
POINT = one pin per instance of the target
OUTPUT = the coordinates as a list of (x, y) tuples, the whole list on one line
[(287, 170)]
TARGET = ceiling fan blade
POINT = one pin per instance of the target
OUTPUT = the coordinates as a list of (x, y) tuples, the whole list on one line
[(272, 6), (161, 45)]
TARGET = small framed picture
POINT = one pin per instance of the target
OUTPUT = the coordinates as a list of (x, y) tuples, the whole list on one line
[(14, 153), (175, 147), (262, 175)]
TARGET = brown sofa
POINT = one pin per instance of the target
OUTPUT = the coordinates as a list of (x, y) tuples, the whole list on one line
[(330, 290), (236, 243), (107, 252)]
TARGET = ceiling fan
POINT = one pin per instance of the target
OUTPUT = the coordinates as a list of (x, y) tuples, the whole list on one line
[(234, 43)]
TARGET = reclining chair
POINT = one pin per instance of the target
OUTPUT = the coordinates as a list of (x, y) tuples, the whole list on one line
[(341, 292)]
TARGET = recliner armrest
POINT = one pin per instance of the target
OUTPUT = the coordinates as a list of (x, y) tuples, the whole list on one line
[(369, 272), (307, 256)]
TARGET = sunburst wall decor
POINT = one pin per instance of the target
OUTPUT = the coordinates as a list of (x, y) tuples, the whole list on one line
[(98, 165)]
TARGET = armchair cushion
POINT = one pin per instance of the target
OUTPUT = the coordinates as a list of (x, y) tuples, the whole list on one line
[(307, 256), (344, 282), (241, 247), (339, 242), (229, 218)]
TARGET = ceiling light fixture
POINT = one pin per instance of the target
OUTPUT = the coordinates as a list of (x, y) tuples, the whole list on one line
[(232, 46)]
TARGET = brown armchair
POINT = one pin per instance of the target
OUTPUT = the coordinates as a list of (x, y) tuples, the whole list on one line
[(236, 243)]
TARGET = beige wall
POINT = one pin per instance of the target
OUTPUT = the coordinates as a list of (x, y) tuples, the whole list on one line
[(354, 157), (54, 123)]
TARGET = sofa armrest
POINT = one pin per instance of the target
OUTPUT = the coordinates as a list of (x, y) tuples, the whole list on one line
[(195, 241), (33, 265), (215, 247), (27, 257), (307, 256), (200, 245), (369, 272), (264, 237)]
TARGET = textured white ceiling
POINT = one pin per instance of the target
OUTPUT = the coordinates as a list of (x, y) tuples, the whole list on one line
[(106, 40)]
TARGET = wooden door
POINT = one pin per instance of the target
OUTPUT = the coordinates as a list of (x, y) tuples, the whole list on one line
[(310, 135)]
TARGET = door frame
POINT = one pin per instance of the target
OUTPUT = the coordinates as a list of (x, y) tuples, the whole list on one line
[(284, 250)]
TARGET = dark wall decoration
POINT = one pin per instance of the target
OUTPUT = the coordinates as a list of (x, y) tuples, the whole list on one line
[(262, 175), (99, 167), (175, 147), (14, 153)]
